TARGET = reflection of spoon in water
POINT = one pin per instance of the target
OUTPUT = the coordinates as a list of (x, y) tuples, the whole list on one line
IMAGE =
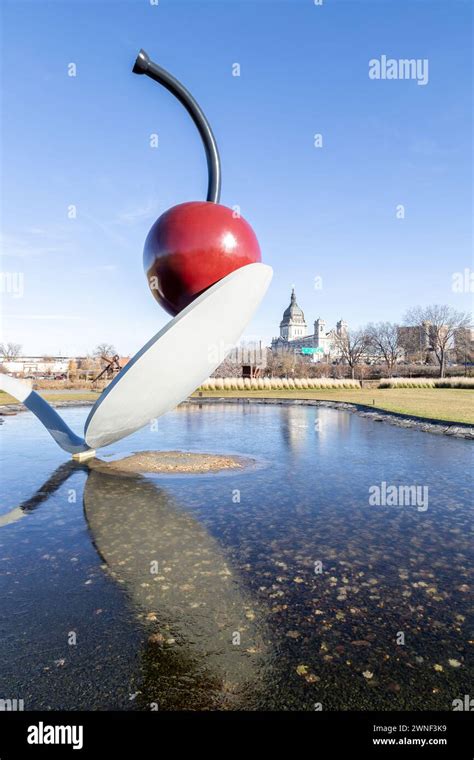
[(206, 648), (177, 575), (59, 476)]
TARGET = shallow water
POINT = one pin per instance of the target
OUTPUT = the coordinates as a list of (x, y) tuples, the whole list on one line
[(280, 587)]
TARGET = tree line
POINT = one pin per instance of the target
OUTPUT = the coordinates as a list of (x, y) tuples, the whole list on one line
[(427, 335)]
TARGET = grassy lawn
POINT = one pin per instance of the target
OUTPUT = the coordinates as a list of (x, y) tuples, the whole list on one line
[(450, 404), (53, 396)]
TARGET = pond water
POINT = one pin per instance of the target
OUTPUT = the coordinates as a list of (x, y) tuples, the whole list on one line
[(283, 586)]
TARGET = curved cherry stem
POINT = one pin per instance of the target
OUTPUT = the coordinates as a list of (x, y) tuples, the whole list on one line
[(143, 65)]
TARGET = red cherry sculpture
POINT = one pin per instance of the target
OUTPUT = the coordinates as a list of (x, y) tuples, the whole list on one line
[(192, 246)]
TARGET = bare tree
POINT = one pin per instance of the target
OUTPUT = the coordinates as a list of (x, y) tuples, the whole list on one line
[(106, 350), (72, 369), (228, 368), (441, 324), (413, 341), (352, 346), (10, 350), (464, 346), (88, 363), (385, 343), (287, 364)]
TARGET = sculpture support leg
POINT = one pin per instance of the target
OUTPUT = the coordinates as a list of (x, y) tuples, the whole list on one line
[(53, 422)]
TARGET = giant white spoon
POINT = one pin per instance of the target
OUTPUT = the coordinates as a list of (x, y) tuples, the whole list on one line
[(166, 370)]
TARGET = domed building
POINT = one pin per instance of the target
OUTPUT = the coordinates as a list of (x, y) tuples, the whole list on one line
[(293, 324), (294, 334)]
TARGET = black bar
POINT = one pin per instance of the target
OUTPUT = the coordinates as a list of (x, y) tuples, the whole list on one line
[(143, 65), (123, 734)]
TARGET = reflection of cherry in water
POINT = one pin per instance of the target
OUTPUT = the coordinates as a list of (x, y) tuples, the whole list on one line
[(194, 245)]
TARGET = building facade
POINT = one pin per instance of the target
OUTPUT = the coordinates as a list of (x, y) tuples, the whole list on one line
[(245, 360), (295, 337), (35, 366)]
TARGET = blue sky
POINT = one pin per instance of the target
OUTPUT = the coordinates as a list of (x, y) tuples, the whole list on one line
[(325, 212)]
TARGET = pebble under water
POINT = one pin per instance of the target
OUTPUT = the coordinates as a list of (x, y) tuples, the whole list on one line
[(278, 587)]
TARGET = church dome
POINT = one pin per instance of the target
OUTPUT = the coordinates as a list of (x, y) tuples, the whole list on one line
[(293, 313)]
